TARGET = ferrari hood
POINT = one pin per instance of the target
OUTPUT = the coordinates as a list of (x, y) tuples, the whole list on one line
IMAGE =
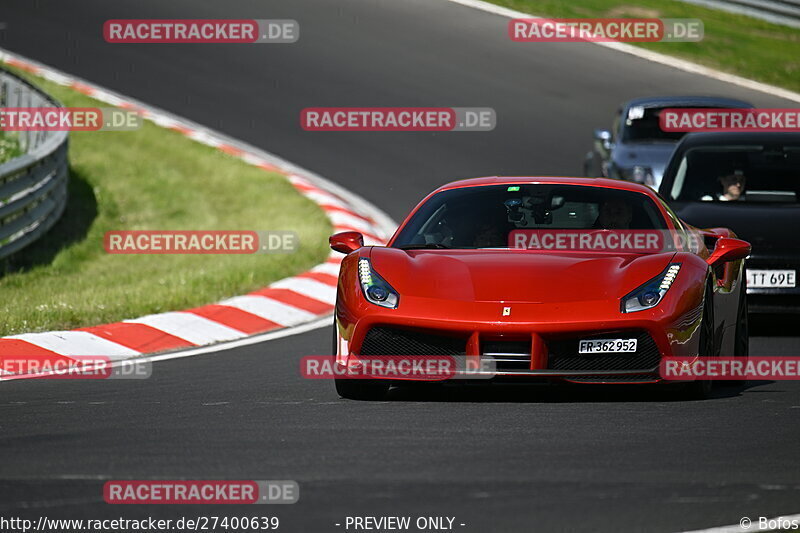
[(513, 275)]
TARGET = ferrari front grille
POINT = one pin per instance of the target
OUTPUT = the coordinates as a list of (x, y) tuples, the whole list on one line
[(564, 354), (382, 340), (508, 355)]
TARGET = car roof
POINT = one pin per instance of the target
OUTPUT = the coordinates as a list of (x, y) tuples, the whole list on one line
[(689, 101), (549, 180), (723, 138)]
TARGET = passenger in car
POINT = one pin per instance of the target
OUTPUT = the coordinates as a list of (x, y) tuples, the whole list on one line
[(732, 188)]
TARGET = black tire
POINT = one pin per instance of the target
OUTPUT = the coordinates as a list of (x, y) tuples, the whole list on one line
[(362, 389), (334, 341), (358, 389), (701, 389)]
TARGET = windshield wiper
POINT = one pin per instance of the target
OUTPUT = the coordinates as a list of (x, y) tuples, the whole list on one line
[(429, 245)]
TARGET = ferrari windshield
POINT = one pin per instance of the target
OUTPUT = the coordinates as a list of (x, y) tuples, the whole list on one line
[(750, 174), (486, 216)]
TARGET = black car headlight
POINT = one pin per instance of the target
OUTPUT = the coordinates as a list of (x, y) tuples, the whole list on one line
[(376, 289), (651, 293)]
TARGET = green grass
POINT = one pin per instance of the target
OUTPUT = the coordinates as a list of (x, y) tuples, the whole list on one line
[(737, 44), (156, 179), (9, 147)]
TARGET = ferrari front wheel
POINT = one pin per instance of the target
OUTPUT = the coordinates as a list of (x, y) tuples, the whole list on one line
[(357, 389), (701, 389), (742, 337)]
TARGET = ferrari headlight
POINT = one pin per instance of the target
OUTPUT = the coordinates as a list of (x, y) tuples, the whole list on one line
[(376, 289), (651, 293)]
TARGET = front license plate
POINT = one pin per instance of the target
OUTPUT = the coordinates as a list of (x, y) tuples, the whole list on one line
[(607, 346), (761, 279)]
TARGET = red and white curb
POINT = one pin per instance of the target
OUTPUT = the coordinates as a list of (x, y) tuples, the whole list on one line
[(291, 303)]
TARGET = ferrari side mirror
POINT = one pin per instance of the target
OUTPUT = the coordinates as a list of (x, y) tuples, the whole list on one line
[(346, 241), (728, 249)]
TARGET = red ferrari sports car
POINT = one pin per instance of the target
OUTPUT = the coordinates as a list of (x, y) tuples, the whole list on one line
[(589, 280)]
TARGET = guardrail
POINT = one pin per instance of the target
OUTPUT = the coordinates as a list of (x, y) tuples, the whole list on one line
[(33, 186), (785, 12)]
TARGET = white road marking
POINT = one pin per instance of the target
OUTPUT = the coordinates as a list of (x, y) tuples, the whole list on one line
[(247, 341), (340, 218), (269, 309), (205, 138), (309, 287), (190, 327), (76, 343), (322, 322), (327, 268), (323, 198)]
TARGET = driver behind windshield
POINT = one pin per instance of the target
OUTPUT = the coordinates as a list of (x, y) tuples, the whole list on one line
[(491, 228), (485, 227), (732, 188), (614, 214)]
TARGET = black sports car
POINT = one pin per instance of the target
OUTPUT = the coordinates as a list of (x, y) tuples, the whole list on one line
[(749, 182)]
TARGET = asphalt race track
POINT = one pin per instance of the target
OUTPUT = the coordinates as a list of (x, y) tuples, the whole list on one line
[(520, 458)]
